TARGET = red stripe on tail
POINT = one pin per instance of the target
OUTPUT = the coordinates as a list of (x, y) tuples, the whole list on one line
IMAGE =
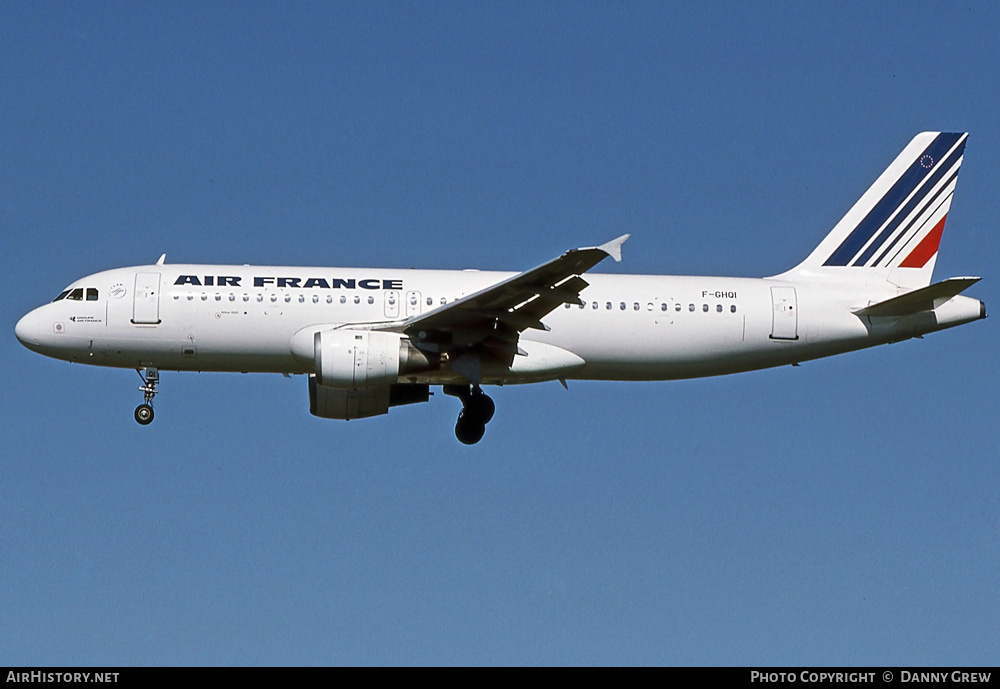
[(926, 248)]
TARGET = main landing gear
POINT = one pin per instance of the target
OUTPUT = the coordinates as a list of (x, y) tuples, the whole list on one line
[(144, 412), (477, 410)]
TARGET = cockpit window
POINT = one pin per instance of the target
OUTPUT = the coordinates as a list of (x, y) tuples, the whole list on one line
[(79, 294)]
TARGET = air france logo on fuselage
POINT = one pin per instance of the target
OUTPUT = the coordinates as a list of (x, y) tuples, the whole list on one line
[(289, 282)]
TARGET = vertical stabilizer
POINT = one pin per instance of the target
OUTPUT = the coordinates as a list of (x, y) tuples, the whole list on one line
[(892, 233)]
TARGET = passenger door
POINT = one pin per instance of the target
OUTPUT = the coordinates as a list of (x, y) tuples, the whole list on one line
[(146, 299)]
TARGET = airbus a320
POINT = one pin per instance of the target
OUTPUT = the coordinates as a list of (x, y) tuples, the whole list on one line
[(369, 340)]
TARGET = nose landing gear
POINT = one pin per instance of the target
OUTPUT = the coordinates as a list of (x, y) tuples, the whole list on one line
[(477, 410), (144, 412)]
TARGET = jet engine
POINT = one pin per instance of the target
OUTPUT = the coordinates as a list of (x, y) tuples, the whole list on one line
[(360, 359), (357, 370)]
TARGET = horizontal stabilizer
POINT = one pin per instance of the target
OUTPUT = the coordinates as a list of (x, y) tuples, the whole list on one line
[(923, 299)]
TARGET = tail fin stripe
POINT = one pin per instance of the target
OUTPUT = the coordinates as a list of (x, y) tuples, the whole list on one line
[(907, 247), (913, 202), (918, 170), (921, 217), (926, 248)]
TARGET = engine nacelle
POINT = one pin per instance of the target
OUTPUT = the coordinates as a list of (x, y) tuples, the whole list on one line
[(356, 359), (359, 359)]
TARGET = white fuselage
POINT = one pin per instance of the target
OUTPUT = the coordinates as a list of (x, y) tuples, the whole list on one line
[(630, 327)]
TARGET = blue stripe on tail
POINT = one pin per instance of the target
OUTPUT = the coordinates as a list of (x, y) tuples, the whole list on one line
[(903, 214)]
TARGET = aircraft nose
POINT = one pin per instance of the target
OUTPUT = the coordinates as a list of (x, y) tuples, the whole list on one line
[(27, 330)]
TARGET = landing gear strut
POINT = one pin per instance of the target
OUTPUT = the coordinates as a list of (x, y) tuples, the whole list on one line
[(144, 412), (477, 410)]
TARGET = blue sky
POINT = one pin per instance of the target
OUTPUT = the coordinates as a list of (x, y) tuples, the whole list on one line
[(843, 512)]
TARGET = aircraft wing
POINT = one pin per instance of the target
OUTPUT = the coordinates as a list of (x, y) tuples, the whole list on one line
[(492, 318)]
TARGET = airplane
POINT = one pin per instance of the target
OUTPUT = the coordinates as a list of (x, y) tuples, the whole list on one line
[(372, 339)]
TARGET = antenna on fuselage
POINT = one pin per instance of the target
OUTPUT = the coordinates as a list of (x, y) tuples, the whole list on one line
[(161, 260)]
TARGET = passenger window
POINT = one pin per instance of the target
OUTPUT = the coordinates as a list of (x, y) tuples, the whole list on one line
[(718, 308), (302, 299), (677, 306), (232, 297), (635, 306), (274, 297), (371, 300), (568, 305), (246, 297), (315, 299), (91, 294), (357, 300), (204, 297), (288, 298), (691, 308), (732, 309), (608, 306), (218, 297), (343, 299), (649, 306), (595, 305), (76, 295), (663, 307), (260, 297), (621, 306), (430, 301), (329, 299), (704, 307), (413, 300)]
